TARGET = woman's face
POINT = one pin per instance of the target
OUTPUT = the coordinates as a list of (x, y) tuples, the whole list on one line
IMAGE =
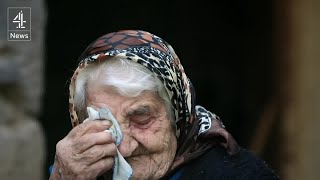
[(149, 143)]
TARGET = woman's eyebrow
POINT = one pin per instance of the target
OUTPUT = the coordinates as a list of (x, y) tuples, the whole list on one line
[(141, 110)]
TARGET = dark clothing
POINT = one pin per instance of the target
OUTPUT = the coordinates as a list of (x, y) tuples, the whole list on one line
[(218, 164)]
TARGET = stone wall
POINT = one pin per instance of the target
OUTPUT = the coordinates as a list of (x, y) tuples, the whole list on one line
[(22, 142)]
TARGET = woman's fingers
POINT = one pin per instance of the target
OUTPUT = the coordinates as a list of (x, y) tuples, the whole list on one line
[(96, 153), (86, 152), (100, 167), (87, 165), (89, 127), (87, 172), (88, 140)]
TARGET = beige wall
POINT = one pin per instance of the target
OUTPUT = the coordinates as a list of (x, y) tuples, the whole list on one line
[(302, 119)]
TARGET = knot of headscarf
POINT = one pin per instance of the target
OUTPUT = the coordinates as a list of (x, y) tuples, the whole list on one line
[(197, 128)]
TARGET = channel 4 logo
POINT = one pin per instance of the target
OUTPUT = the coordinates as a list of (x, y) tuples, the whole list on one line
[(19, 23)]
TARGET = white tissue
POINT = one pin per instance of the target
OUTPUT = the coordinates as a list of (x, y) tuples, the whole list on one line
[(121, 170)]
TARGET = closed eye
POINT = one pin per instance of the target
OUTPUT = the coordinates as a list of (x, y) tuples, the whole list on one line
[(142, 122), (142, 116)]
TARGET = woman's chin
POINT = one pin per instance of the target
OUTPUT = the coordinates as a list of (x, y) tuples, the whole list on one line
[(146, 168)]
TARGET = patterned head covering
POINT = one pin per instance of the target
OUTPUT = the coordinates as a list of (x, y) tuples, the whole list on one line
[(197, 128)]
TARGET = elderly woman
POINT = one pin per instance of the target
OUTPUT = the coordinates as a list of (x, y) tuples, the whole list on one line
[(135, 79)]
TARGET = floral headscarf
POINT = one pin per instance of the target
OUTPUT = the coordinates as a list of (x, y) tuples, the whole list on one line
[(197, 128)]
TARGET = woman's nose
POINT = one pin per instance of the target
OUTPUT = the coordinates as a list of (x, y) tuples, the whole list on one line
[(128, 143)]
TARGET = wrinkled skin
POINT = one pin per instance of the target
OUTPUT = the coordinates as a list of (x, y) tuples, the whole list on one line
[(149, 142)]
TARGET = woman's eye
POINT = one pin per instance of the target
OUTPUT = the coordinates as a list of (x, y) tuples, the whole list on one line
[(141, 122)]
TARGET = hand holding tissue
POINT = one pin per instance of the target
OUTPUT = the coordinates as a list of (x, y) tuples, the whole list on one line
[(121, 170)]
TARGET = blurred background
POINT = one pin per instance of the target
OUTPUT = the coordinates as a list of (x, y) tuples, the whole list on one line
[(256, 64)]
